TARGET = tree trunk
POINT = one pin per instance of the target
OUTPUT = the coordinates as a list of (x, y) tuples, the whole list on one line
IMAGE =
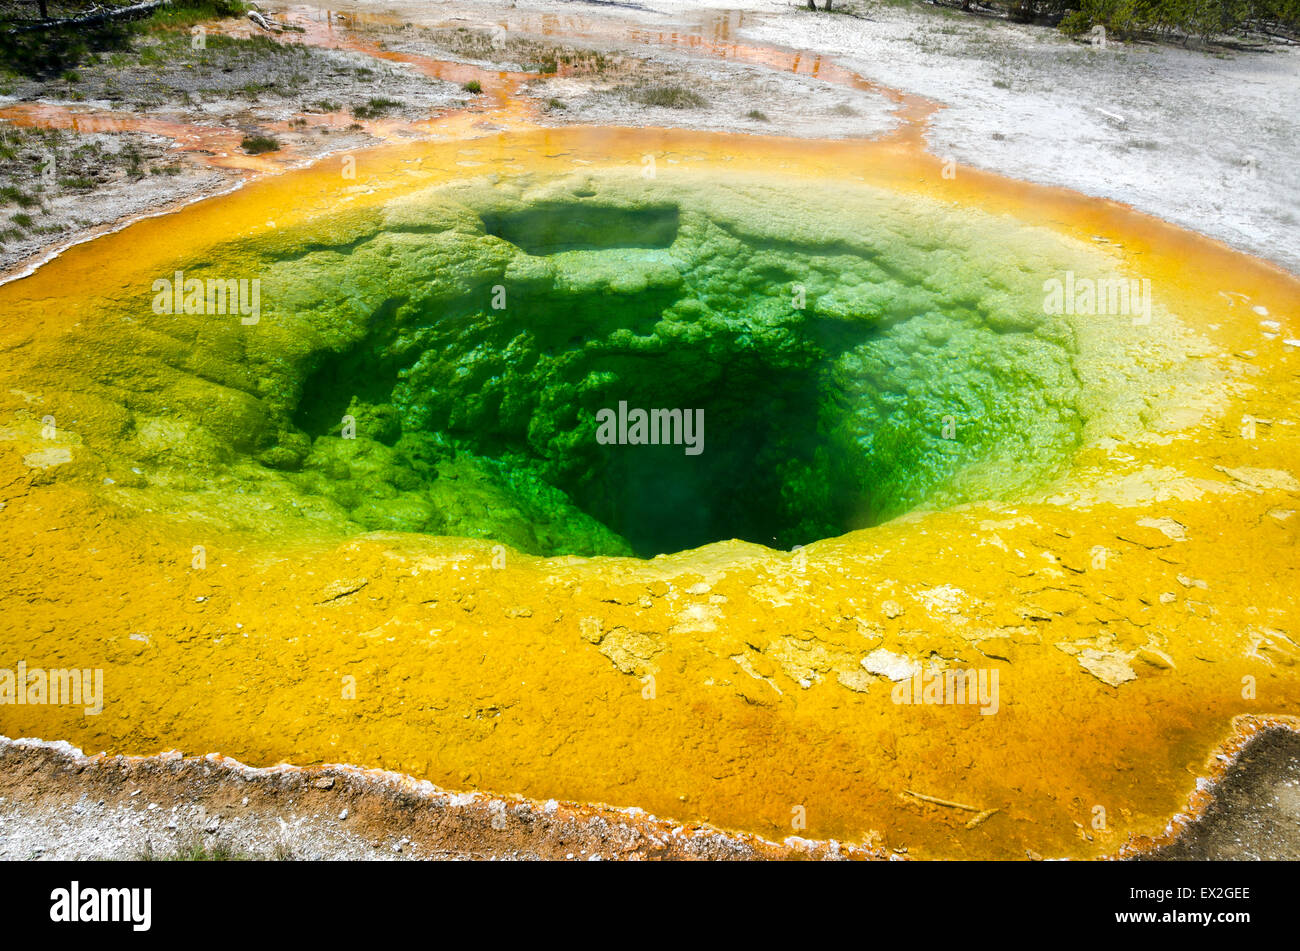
[(45, 10), (95, 17)]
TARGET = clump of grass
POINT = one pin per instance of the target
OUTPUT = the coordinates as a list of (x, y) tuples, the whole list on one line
[(134, 161), (672, 97), (47, 54), (547, 59), (22, 220), (375, 107), (473, 86), (843, 110), (11, 193), (326, 105), (757, 115), (196, 850), (477, 44), (258, 144), (552, 104), (192, 852), (189, 12), (153, 56), (248, 46)]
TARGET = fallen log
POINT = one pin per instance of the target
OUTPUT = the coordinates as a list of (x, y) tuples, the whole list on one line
[(261, 21), (95, 17)]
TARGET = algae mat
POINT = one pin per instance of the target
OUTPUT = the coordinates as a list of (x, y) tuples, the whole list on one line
[(369, 516)]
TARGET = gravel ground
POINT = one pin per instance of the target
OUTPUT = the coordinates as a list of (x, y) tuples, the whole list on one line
[(1205, 140), (1256, 810), (735, 97), (306, 98)]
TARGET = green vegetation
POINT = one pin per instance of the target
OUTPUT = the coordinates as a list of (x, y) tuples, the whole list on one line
[(473, 86), (79, 165), (198, 851), (12, 195), (50, 53), (134, 160), (193, 852), (539, 56), (672, 97), (189, 12), (1127, 19), (246, 44), (1154, 19), (757, 115), (374, 108), (46, 54), (1204, 19), (258, 144)]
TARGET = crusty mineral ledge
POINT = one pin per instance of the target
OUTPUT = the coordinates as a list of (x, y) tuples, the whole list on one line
[(56, 803)]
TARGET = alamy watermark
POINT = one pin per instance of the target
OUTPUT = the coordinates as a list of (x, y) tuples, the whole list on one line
[(976, 686), (182, 295), (655, 427), (57, 687), (1114, 296), (77, 904)]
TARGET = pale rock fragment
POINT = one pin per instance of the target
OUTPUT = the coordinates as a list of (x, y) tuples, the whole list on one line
[(1110, 669), (1166, 526), (888, 664)]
